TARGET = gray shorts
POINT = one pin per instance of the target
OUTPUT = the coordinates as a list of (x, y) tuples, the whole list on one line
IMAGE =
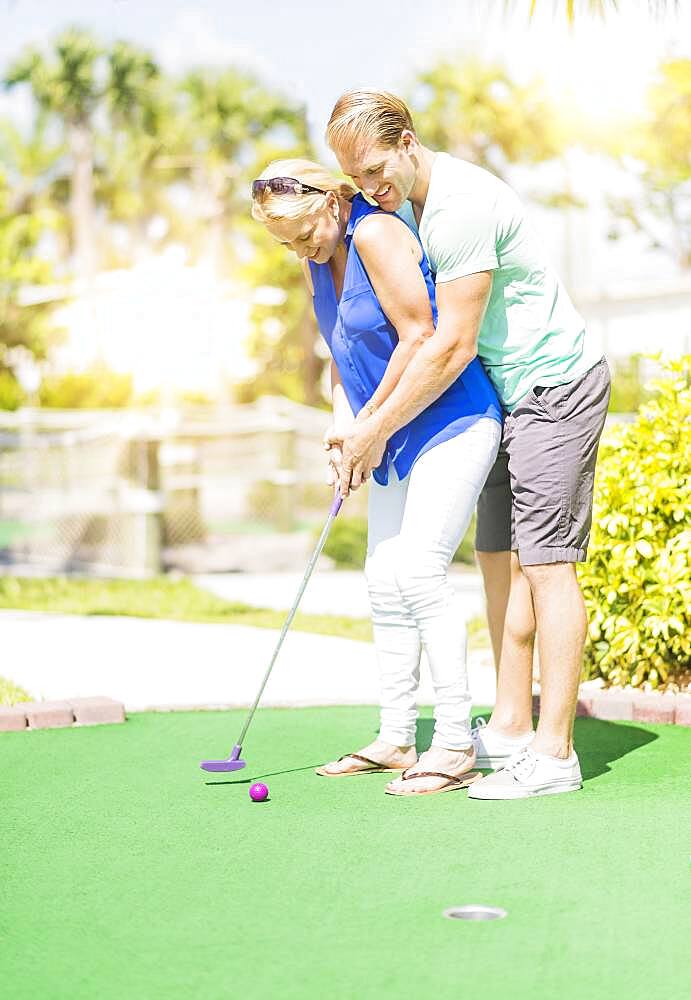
[(538, 498)]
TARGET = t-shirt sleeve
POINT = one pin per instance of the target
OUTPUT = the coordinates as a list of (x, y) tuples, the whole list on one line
[(461, 238)]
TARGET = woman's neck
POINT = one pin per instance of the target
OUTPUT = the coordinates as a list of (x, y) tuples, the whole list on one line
[(337, 261), (337, 266)]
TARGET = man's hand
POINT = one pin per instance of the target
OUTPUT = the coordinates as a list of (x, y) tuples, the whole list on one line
[(363, 448)]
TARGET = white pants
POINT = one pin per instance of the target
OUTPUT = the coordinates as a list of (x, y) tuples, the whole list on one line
[(415, 526)]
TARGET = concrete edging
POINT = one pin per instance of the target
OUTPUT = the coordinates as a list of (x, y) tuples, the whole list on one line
[(75, 712), (615, 704)]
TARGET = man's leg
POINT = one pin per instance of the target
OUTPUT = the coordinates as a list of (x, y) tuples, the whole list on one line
[(562, 626), (513, 710), (496, 577), (510, 615), (551, 438)]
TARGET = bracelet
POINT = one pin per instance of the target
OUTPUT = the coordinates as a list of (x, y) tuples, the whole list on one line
[(370, 406)]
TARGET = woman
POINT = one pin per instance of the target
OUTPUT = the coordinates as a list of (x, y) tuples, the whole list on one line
[(374, 302)]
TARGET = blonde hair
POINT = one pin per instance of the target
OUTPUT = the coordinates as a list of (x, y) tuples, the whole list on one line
[(277, 207), (367, 115)]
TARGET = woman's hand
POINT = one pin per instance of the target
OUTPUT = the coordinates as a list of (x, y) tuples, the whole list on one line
[(333, 445), (362, 449)]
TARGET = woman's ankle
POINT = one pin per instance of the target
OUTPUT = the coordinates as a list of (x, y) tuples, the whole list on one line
[(401, 747)]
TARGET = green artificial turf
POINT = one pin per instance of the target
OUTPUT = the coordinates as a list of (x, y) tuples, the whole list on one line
[(129, 873)]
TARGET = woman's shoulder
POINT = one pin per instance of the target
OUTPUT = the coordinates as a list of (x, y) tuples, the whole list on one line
[(377, 231)]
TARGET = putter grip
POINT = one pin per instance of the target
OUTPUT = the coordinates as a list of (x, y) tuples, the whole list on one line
[(336, 505)]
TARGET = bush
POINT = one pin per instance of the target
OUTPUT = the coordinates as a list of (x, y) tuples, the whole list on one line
[(11, 393), (98, 388), (637, 582), (11, 693), (347, 542)]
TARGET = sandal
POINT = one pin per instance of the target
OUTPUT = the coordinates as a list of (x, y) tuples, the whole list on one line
[(454, 782), (375, 767)]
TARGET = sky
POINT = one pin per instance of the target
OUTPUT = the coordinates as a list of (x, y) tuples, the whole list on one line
[(313, 51)]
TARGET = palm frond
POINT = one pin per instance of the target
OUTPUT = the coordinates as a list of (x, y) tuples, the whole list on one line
[(572, 9)]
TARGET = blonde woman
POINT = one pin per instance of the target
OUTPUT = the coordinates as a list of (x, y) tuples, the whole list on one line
[(374, 301)]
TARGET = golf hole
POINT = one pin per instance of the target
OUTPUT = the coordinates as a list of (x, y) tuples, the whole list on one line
[(475, 913)]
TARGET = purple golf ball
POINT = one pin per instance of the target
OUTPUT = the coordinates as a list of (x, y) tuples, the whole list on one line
[(259, 792)]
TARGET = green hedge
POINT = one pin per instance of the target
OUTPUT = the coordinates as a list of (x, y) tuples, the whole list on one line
[(637, 581), (97, 388)]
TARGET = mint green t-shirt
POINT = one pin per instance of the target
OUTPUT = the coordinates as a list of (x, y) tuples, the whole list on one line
[(531, 333)]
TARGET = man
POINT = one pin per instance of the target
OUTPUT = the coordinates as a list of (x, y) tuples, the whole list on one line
[(499, 299)]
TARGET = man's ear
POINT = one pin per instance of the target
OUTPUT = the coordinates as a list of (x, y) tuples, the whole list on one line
[(409, 139)]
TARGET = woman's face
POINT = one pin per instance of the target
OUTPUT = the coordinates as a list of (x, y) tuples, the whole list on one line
[(315, 236)]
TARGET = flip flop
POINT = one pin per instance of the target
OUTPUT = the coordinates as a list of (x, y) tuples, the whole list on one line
[(376, 767), (454, 782)]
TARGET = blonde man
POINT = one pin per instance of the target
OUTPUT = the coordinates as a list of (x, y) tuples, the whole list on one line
[(500, 300)]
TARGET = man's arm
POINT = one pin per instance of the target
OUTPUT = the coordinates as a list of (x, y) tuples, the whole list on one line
[(438, 362), (391, 256)]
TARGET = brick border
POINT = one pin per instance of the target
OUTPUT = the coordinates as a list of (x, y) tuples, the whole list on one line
[(72, 712), (628, 704), (625, 704)]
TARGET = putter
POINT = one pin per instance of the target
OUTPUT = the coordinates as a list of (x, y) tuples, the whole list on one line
[(235, 762)]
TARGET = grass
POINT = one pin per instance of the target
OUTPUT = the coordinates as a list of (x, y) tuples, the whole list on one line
[(176, 600), (129, 873)]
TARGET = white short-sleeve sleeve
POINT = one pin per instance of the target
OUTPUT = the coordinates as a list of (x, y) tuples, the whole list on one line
[(461, 236)]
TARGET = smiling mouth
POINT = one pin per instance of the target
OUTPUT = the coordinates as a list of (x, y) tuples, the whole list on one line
[(383, 194)]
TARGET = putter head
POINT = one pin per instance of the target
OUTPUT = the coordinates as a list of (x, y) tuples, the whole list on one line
[(233, 763)]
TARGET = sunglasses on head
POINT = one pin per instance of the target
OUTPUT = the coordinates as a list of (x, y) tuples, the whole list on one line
[(282, 185)]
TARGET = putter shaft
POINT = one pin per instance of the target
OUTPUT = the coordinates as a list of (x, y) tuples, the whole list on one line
[(335, 507)]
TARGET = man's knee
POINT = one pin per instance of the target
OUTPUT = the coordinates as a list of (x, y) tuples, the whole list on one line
[(553, 574)]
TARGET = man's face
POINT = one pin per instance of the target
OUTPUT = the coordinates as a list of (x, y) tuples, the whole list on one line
[(384, 173)]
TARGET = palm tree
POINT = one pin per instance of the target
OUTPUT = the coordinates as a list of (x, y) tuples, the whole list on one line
[(70, 86), (65, 87), (228, 117), (601, 7), (21, 325), (476, 111), (140, 111), (32, 163)]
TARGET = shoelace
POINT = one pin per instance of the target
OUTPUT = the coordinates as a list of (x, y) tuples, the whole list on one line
[(480, 723), (522, 765)]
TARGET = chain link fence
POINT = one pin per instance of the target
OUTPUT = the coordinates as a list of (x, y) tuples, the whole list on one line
[(126, 493)]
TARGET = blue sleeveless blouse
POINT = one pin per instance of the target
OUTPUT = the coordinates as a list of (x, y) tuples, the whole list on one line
[(361, 340)]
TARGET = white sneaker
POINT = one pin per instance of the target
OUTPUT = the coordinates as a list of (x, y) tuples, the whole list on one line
[(527, 774), (494, 750)]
